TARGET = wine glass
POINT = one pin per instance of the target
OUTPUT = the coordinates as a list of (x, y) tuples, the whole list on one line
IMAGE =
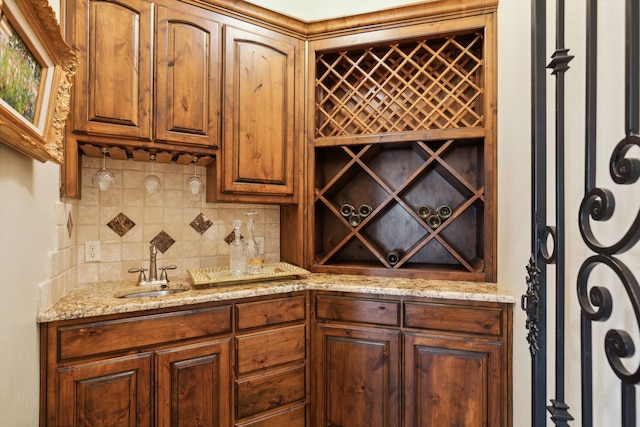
[(103, 179), (152, 182), (194, 184)]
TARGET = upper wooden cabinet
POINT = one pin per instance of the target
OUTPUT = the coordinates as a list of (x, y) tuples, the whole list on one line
[(114, 81), (187, 77), (262, 80), (116, 91)]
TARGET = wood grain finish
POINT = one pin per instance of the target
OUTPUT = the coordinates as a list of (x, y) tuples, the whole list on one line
[(117, 75), (438, 317), (357, 377), (187, 77), (258, 155), (377, 312), (117, 390), (264, 392), (109, 336), (257, 351), (444, 355), (271, 312), (448, 364), (193, 385), (467, 395)]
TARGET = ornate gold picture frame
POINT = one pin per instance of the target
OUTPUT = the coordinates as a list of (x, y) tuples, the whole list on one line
[(36, 73)]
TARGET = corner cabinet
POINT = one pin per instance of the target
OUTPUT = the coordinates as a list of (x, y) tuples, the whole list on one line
[(383, 361), (261, 134), (402, 152)]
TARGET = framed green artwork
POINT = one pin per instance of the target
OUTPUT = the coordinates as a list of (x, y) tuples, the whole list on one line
[(36, 74)]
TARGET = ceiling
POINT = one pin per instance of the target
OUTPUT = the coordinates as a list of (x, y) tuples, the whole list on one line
[(318, 10)]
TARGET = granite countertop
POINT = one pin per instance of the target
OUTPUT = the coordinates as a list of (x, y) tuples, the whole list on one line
[(95, 299)]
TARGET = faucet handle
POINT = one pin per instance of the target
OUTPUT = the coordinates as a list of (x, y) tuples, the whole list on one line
[(142, 277), (164, 268)]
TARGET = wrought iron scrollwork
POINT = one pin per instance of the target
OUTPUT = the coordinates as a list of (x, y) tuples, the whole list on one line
[(530, 303)]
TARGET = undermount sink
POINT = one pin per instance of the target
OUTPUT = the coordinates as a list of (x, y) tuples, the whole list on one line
[(140, 293)]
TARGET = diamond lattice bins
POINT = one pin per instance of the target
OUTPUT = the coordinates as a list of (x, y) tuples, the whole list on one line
[(419, 85)]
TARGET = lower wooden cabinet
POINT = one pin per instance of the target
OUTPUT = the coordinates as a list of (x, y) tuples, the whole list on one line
[(192, 384), (451, 382), (414, 362), (357, 377), (116, 391), (308, 358)]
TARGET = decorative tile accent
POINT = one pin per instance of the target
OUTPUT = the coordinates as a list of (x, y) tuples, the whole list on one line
[(162, 241), (121, 224), (69, 225), (201, 223)]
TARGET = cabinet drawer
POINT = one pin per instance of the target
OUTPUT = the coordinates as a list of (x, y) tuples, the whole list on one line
[(123, 334), (265, 392), (377, 312), (271, 312), (295, 417), (455, 318), (270, 348)]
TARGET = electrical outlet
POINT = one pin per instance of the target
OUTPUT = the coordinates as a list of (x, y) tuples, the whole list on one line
[(92, 250)]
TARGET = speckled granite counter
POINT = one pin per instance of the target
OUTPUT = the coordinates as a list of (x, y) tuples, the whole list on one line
[(97, 299)]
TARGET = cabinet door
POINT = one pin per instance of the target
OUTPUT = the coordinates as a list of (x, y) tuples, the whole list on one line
[(259, 140), (113, 84), (115, 392), (356, 377), (451, 382), (187, 85), (193, 385)]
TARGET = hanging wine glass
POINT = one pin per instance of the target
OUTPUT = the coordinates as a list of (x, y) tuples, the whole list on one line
[(103, 179), (152, 182), (194, 184)]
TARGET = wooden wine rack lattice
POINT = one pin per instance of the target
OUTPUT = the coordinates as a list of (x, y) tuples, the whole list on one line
[(395, 179), (434, 83)]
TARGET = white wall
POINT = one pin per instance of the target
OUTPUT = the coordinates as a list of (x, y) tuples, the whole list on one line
[(28, 193)]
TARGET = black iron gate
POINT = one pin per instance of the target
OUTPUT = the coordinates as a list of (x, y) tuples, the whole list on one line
[(596, 301)]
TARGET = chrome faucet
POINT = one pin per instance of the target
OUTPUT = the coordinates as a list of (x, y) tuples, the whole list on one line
[(153, 271)]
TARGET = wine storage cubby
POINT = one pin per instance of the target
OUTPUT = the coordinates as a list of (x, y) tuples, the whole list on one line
[(395, 179), (402, 120)]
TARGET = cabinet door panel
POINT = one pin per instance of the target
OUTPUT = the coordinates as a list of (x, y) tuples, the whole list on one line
[(258, 154), (187, 77), (116, 392), (451, 383), (115, 69), (192, 385), (357, 373)]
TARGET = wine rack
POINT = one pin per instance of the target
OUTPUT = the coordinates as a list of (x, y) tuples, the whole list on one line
[(395, 179), (405, 125), (433, 83)]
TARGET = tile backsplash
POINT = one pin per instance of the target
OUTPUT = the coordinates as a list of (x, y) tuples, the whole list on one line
[(188, 231)]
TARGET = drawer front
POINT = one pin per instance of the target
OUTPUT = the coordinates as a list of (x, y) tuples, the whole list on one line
[(295, 417), (123, 334), (270, 348), (455, 318), (265, 392), (377, 312), (271, 312)]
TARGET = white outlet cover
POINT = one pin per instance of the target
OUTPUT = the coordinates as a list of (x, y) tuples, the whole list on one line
[(92, 250)]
